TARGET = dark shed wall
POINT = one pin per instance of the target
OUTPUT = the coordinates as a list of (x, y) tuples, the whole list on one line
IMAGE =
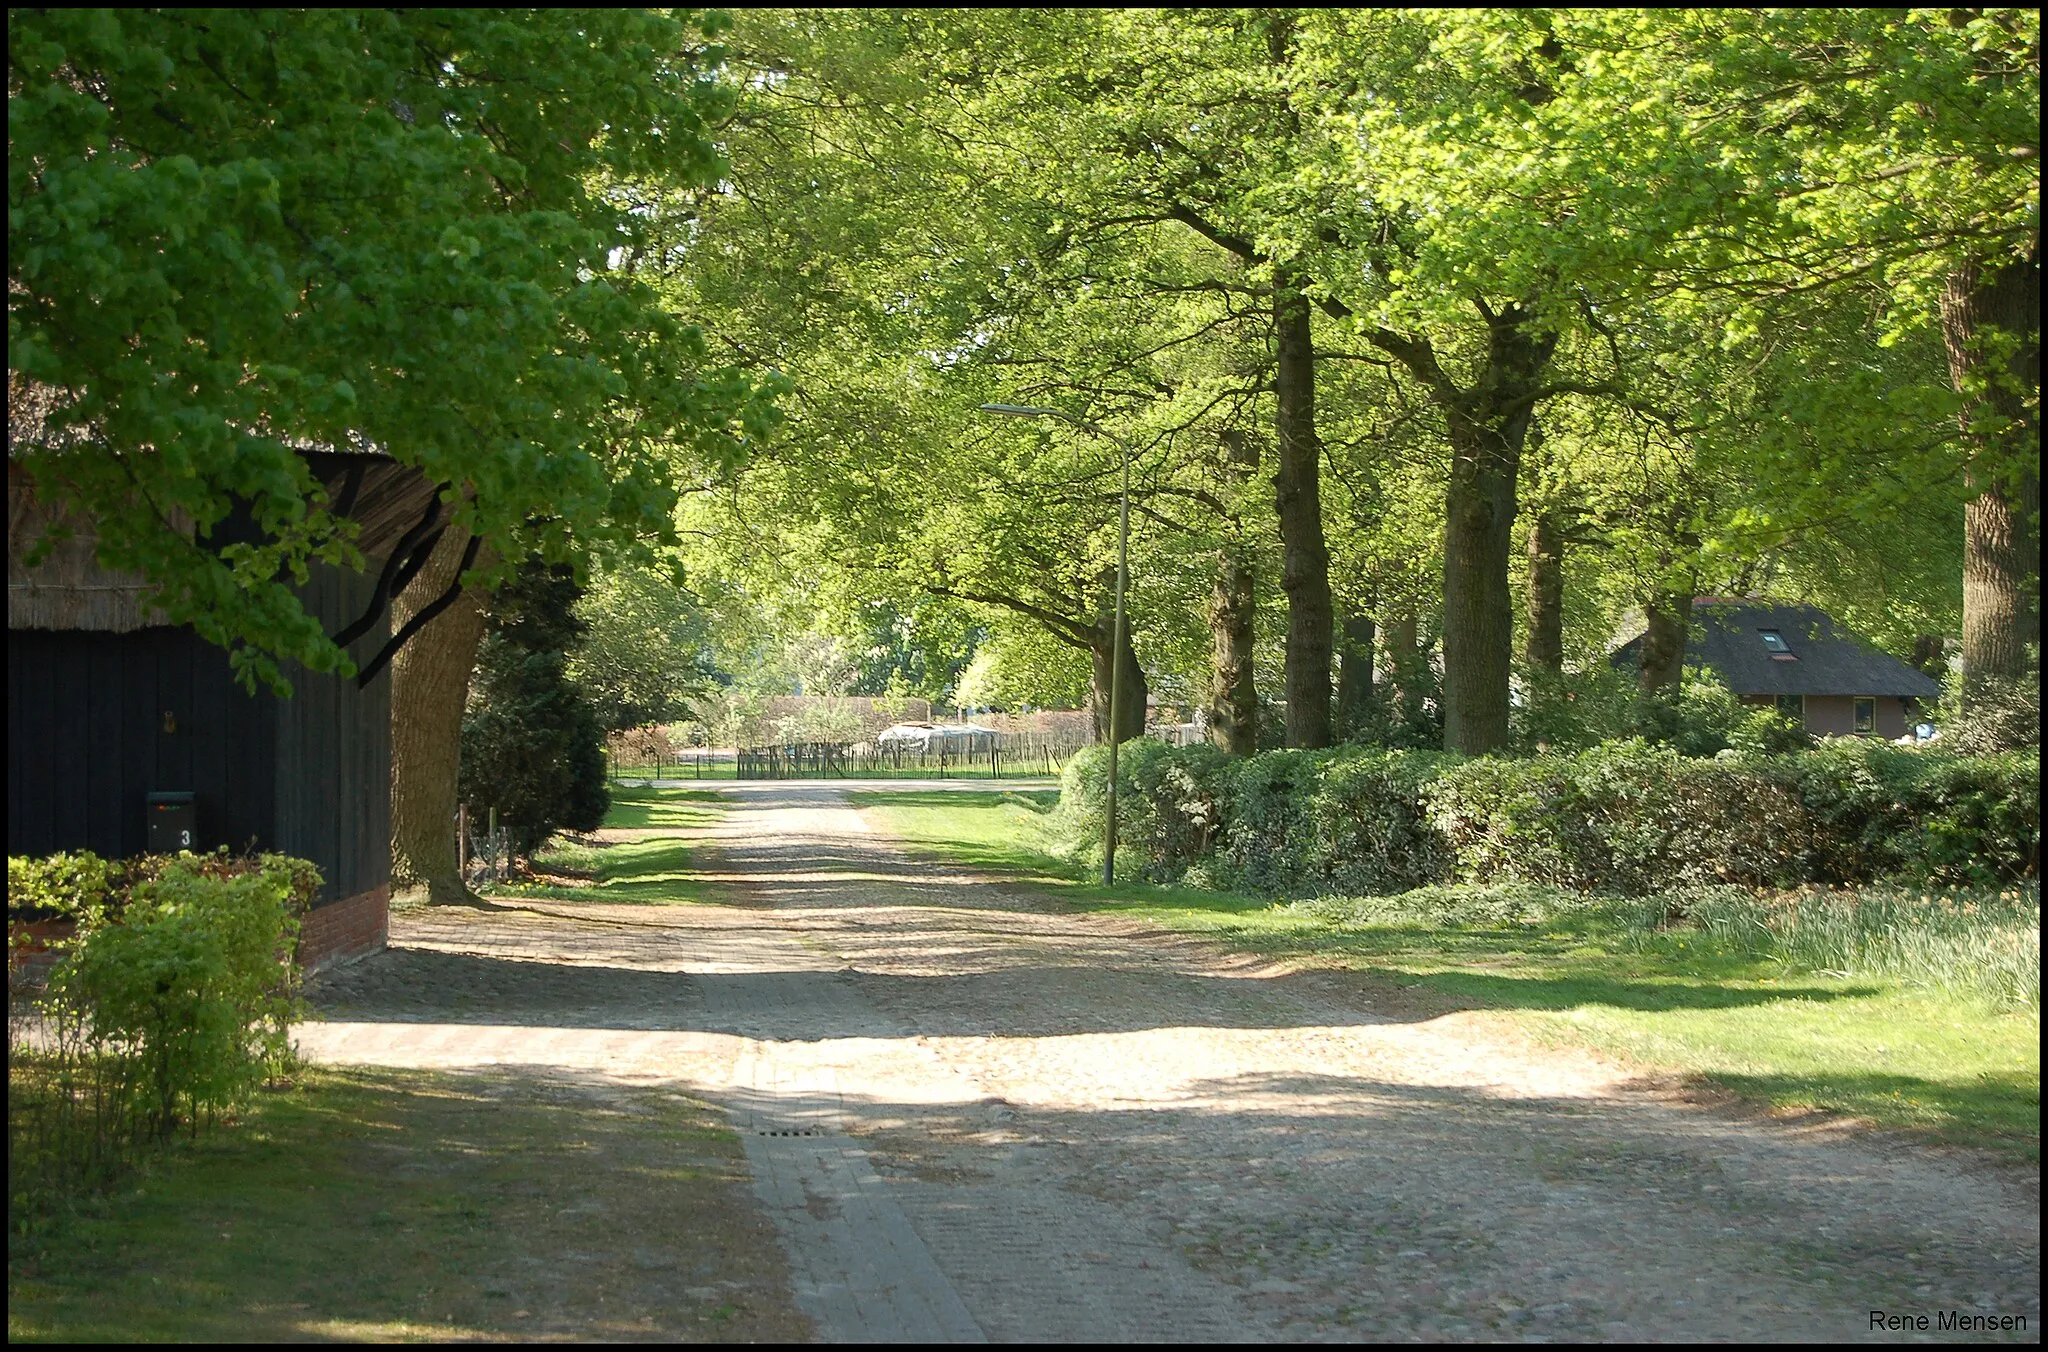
[(86, 741), (333, 795), (309, 776)]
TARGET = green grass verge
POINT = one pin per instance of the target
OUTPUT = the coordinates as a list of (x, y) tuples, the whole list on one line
[(655, 871), (382, 1205), (1947, 1066)]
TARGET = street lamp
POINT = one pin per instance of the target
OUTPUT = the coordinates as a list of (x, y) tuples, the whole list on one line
[(1123, 572)]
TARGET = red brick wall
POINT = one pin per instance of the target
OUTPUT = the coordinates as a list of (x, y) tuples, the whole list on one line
[(350, 928), (353, 927), (29, 955)]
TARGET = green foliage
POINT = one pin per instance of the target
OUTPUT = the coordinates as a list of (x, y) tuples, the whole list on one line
[(645, 649), (919, 648), (1021, 666), (170, 1000), (1990, 712), (1764, 731), (71, 886), (1580, 710), (1632, 817), (827, 720), (1622, 817), (237, 232), (532, 745)]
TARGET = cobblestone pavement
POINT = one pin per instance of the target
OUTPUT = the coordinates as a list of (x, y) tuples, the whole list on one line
[(973, 1116)]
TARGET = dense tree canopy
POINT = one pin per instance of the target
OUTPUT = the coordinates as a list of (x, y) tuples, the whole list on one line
[(1441, 342), (1441, 345), (232, 233)]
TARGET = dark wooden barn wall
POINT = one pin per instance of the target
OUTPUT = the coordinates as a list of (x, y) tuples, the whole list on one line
[(86, 741), (309, 776), (333, 798)]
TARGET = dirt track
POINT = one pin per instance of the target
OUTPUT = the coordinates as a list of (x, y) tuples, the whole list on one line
[(972, 1116)]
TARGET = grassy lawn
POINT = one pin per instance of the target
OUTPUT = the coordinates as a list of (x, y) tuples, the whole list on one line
[(651, 871), (1946, 1066), (406, 1205)]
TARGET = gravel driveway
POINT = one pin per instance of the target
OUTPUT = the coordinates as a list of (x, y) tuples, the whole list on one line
[(972, 1116)]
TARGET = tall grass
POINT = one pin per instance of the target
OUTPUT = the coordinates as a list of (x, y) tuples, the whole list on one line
[(72, 1124), (1981, 943)]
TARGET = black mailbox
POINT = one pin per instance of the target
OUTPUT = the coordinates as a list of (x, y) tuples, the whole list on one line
[(173, 823)]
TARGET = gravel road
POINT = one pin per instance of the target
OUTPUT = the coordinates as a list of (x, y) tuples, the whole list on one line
[(974, 1117)]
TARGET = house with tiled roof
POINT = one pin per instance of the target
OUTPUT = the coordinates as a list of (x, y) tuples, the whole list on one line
[(1796, 657)]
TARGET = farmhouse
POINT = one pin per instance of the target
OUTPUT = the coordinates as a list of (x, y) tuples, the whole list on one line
[(1793, 656), (126, 734)]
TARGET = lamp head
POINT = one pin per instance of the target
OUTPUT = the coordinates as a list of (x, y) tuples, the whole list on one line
[(1023, 411)]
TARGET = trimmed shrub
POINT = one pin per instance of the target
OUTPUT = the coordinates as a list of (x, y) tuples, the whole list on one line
[(1624, 817)]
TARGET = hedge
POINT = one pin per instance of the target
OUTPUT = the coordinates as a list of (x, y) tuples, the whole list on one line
[(1624, 817)]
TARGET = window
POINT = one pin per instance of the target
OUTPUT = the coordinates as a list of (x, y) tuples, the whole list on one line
[(1866, 716), (1793, 707), (1774, 642)]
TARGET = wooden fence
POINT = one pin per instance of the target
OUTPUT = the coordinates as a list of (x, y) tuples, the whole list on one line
[(1014, 755), (795, 760)]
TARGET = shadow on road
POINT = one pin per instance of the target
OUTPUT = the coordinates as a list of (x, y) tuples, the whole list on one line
[(995, 996)]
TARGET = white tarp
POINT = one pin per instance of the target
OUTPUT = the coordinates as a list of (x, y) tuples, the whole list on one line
[(936, 738)]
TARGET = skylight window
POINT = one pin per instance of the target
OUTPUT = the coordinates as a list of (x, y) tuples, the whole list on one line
[(1774, 641)]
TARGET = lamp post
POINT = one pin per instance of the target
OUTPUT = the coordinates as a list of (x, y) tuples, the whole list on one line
[(1123, 571)]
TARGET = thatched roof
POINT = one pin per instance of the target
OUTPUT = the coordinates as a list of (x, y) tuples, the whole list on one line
[(1818, 659), (70, 589)]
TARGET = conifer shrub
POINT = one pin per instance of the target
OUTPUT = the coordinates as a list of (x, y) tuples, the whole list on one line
[(532, 743)]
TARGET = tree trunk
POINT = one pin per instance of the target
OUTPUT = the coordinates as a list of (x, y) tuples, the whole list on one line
[(1233, 699), (1930, 655), (1991, 321), (1478, 617), (1545, 639), (1304, 557), (1404, 663), (1354, 674), (1661, 659), (1487, 427), (429, 687), (1131, 692)]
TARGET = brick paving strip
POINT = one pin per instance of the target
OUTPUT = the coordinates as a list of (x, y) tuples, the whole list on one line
[(972, 1116)]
